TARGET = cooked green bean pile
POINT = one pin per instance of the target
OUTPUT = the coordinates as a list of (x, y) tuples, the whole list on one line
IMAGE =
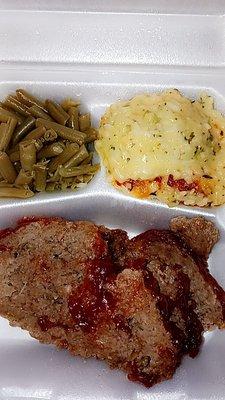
[(44, 146)]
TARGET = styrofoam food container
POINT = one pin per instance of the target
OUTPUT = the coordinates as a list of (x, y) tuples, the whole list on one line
[(102, 57)]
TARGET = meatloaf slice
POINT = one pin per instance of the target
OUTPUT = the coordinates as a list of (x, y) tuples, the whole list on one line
[(168, 248), (58, 281), (174, 285), (200, 234)]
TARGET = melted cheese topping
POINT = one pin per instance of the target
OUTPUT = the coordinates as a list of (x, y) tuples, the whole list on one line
[(166, 134)]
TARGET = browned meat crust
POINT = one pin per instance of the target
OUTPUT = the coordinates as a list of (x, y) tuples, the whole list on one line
[(174, 284), (139, 304), (58, 282), (208, 298), (201, 235)]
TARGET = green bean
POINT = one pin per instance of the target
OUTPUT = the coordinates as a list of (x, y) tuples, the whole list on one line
[(57, 112), (75, 171), (77, 158), (37, 133), (13, 149), (52, 150), (27, 155), (64, 185), (54, 177), (88, 159), (84, 122), (58, 186), (5, 184), (15, 105), (62, 158), (64, 132), (17, 166), (38, 144), (68, 103), (7, 169), (82, 178), (40, 177), (74, 185), (50, 187), (50, 135), (24, 178), (6, 114), (37, 112), (87, 178), (20, 193), (23, 129), (52, 156), (68, 183), (73, 121), (79, 178), (3, 128), (91, 135), (15, 156), (29, 100), (6, 132)]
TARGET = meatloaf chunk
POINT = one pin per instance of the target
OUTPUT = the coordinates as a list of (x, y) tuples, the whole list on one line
[(207, 297), (200, 234), (59, 282)]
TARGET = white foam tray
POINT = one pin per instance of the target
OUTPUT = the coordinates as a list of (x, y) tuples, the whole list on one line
[(101, 54)]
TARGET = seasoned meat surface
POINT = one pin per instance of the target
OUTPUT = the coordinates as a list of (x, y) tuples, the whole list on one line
[(140, 304), (173, 282), (207, 297), (200, 234), (58, 281)]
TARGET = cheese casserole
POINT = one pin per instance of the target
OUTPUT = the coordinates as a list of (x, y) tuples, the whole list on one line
[(167, 146)]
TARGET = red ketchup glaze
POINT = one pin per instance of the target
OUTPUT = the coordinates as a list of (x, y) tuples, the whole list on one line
[(158, 180), (43, 265), (136, 375), (92, 303), (128, 184), (165, 304), (151, 283), (45, 324), (137, 263), (149, 280), (172, 238), (131, 183), (124, 183), (121, 324), (194, 329), (5, 232), (4, 248), (118, 183), (100, 247), (181, 184)]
